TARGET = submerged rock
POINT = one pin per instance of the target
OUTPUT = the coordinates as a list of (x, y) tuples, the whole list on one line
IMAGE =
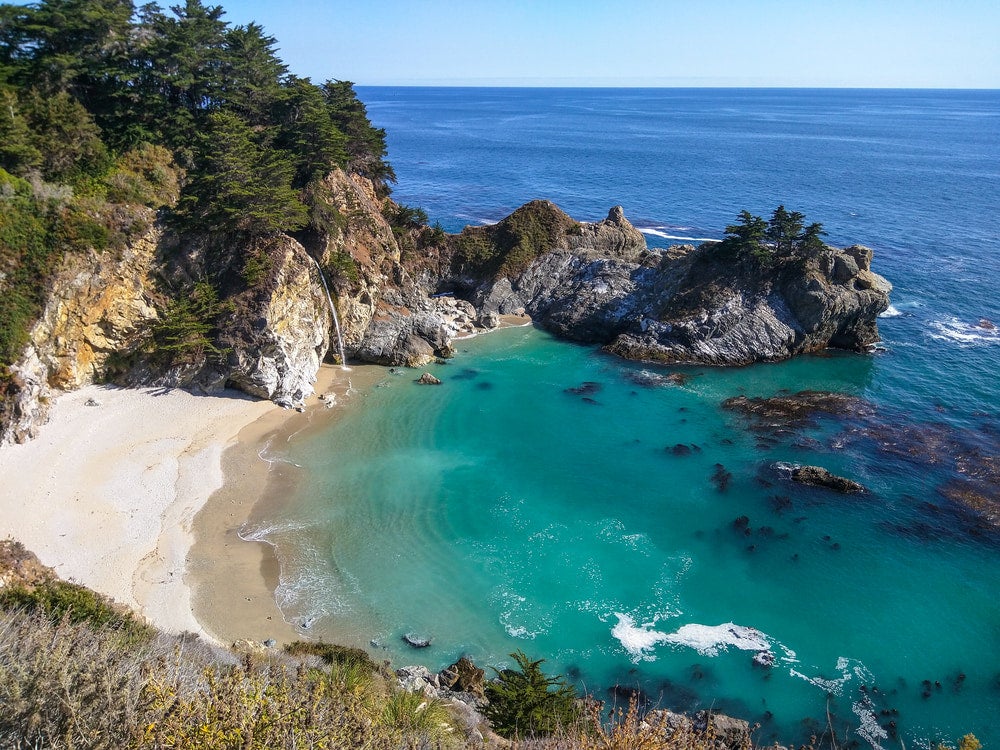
[(796, 410), (416, 641), (817, 476)]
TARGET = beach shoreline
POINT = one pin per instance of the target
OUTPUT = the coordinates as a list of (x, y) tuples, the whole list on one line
[(233, 579), (109, 492)]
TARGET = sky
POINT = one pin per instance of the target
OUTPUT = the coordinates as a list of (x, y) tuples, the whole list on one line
[(821, 43)]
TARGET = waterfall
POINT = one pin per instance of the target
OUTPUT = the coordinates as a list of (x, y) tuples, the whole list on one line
[(333, 309)]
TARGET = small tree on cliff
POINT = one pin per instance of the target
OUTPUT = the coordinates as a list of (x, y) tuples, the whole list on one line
[(747, 236), (784, 230), (527, 703)]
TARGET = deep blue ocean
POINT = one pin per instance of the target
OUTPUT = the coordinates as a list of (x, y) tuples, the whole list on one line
[(503, 511)]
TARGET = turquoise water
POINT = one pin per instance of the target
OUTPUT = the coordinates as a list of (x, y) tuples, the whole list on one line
[(499, 511), (537, 499)]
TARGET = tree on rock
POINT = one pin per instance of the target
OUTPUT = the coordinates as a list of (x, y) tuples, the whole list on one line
[(527, 703), (746, 236), (784, 230)]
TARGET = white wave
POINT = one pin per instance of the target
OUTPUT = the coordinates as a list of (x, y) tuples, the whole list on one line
[(891, 312), (638, 640), (708, 640), (849, 669), (963, 333), (869, 728), (682, 237)]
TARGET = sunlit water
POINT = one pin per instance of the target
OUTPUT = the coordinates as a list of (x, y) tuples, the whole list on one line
[(515, 507)]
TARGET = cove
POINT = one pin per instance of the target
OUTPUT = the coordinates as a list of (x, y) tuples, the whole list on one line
[(616, 520)]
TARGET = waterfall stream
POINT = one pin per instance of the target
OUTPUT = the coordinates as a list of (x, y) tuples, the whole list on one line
[(333, 310)]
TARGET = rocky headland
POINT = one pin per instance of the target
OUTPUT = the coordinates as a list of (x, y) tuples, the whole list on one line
[(206, 312)]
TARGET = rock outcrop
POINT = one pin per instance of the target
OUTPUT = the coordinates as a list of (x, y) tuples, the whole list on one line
[(599, 283), (404, 293), (817, 476)]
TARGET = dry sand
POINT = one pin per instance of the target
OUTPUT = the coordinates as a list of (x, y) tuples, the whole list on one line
[(107, 494)]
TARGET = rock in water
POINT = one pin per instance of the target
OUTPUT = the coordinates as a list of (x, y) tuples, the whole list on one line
[(817, 476), (416, 641), (428, 379)]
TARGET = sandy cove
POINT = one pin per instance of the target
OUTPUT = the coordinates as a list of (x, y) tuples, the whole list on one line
[(108, 492)]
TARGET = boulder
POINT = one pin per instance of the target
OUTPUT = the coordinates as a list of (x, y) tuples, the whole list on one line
[(464, 677), (428, 379)]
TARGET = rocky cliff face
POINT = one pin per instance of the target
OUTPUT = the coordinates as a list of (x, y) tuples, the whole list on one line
[(97, 302), (404, 293), (105, 313), (599, 283)]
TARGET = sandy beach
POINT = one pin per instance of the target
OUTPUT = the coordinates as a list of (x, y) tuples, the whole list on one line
[(108, 493)]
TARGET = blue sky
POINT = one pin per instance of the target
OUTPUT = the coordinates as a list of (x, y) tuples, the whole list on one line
[(852, 43)]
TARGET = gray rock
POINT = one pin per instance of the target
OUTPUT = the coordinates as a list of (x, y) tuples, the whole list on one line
[(428, 379)]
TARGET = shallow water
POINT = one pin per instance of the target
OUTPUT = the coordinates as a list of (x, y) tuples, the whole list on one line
[(516, 506)]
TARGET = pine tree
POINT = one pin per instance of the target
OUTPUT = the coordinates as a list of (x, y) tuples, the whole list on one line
[(527, 703), (747, 236), (784, 229), (241, 185)]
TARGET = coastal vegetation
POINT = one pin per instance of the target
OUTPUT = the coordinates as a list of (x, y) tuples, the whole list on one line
[(108, 107), (783, 235)]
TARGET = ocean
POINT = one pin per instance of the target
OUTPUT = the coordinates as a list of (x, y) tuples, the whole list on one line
[(624, 525)]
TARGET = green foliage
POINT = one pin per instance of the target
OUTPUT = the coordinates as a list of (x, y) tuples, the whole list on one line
[(241, 185), (65, 135), (434, 235), (509, 247), (185, 330), (527, 703), (340, 266), (366, 147), (331, 653), (146, 175), (81, 79), (69, 685), (781, 235), (416, 714), (527, 233), (257, 266), (39, 224), (402, 218), (56, 600)]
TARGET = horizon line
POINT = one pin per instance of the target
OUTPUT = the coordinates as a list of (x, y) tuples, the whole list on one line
[(813, 87)]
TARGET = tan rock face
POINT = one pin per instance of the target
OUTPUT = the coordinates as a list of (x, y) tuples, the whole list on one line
[(364, 236), (278, 350), (97, 304)]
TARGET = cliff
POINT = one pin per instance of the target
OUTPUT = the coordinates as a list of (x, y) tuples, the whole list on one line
[(599, 283), (203, 311)]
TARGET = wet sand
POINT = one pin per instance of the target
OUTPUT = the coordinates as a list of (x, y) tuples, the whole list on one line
[(233, 581)]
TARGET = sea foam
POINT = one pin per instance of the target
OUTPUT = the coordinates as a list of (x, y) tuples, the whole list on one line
[(638, 640), (966, 334), (708, 640)]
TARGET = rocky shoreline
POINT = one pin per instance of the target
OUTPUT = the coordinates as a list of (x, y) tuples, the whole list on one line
[(404, 294)]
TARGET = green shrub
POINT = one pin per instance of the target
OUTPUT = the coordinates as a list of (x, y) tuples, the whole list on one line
[(340, 266), (332, 653), (527, 703), (184, 331), (58, 600)]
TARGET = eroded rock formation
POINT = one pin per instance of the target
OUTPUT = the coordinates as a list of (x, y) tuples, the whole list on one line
[(404, 293)]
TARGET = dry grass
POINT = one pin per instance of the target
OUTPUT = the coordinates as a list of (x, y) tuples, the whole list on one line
[(67, 685)]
